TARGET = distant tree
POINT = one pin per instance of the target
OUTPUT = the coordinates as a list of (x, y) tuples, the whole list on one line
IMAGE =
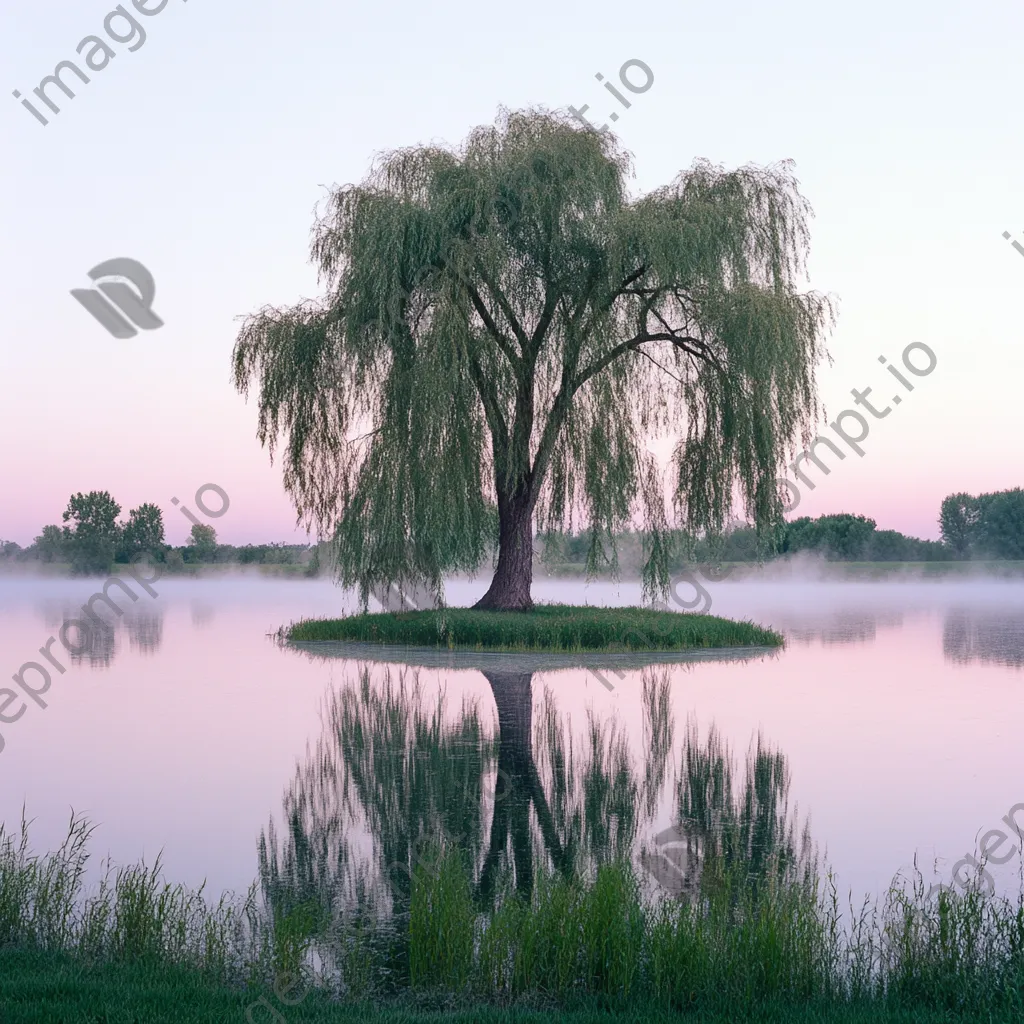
[(930, 550), (203, 543), (575, 547), (93, 538), (313, 566), (842, 537), (891, 546), (802, 534), (958, 519), (9, 550), (505, 326), (225, 553), (740, 544), (144, 532), (50, 545), (1000, 524), (846, 537)]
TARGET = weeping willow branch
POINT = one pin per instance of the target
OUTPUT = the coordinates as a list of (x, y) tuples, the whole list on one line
[(503, 332)]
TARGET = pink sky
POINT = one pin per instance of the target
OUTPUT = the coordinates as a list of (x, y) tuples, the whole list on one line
[(901, 147)]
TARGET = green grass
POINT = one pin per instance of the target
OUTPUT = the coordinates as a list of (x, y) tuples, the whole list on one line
[(548, 627), (138, 950), (39, 988), (738, 946)]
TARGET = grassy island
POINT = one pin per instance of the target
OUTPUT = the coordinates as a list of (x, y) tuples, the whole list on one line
[(547, 627)]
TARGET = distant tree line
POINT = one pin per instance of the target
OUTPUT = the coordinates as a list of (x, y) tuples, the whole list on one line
[(851, 538), (95, 540), (989, 526), (842, 537)]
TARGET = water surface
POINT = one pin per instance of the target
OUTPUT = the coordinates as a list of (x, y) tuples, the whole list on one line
[(890, 725)]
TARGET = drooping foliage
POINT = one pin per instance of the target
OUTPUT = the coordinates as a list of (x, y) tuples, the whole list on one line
[(504, 330)]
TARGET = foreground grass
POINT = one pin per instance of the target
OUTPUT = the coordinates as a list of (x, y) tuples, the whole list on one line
[(767, 948), (52, 988), (548, 627)]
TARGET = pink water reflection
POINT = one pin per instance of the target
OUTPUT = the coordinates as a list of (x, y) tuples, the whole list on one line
[(899, 708)]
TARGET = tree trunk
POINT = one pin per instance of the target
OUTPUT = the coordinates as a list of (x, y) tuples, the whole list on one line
[(510, 588)]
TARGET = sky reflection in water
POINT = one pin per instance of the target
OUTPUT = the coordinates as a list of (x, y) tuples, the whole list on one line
[(890, 723)]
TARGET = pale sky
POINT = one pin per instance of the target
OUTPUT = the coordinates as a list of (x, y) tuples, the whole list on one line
[(203, 153)]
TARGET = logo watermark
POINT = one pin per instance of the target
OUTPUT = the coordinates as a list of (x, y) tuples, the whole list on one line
[(134, 303), (675, 863)]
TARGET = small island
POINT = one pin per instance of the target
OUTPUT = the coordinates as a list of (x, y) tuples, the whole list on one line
[(546, 627)]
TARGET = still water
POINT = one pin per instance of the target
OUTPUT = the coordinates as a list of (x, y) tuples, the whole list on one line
[(890, 725)]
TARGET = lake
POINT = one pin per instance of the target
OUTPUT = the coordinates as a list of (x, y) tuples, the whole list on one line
[(890, 725)]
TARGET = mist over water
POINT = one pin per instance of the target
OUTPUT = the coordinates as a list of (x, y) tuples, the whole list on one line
[(896, 707)]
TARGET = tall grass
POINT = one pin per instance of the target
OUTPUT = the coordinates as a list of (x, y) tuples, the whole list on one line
[(132, 915), (730, 948), (733, 948), (441, 922)]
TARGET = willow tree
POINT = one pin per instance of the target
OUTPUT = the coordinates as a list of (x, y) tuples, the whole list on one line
[(503, 331)]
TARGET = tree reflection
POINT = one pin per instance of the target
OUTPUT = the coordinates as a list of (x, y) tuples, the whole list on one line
[(145, 630), (983, 636), (720, 831), (387, 766), (393, 775), (92, 639)]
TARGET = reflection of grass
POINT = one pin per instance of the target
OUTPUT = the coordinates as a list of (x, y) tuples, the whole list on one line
[(142, 951), (548, 627)]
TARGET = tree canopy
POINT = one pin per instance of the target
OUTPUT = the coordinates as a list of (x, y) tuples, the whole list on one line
[(144, 532), (504, 330), (92, 539), (958, 518), (987, 526), (854, 538), (203, 541)]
